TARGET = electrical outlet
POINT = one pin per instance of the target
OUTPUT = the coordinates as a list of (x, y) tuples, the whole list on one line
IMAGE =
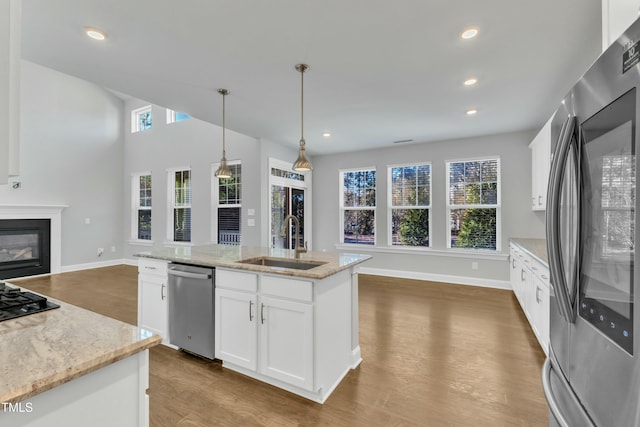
[(474, 265), (100, 251)]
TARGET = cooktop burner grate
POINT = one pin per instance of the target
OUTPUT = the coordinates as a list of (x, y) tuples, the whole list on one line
[(17, 303)]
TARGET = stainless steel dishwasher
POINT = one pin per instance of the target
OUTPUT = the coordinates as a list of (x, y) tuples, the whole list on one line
[(191, 305)]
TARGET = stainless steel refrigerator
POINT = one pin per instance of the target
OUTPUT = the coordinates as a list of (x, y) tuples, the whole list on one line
[(592, 375)]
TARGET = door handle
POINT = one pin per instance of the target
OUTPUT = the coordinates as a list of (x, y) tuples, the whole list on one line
[(538, 300), (522, 275), (189, 275), (262, 314), (556, 266), (162, 292), (250, 314)]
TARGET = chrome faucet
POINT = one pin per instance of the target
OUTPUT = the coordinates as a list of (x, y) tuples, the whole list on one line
[(283, 233)]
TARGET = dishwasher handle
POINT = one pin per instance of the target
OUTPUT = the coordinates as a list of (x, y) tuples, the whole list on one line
[(189, 275)]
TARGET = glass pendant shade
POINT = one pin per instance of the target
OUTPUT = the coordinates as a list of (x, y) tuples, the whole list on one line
[(302, 164), (223, 170)]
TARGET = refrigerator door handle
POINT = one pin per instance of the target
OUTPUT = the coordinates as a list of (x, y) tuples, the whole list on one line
[(556, 267), (548, 393), (578, 411)]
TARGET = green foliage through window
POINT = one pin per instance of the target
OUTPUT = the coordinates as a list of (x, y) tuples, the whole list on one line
[(473, 202)]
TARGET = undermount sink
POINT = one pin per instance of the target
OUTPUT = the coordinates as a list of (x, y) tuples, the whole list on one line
[(283, 263)]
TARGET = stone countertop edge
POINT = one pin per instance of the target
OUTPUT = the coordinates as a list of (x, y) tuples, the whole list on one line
[(537, 248), (44, 350), (228, 256)]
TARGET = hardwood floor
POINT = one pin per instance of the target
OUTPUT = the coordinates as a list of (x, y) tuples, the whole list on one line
[(433, 354)]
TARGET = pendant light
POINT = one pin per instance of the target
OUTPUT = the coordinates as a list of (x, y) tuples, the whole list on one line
[(223, 171), (302, 164)]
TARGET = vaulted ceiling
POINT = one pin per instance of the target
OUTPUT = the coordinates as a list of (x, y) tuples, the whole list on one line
[(380, 70)]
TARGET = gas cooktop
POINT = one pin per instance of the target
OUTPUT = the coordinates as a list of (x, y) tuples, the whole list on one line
[(17, 303)]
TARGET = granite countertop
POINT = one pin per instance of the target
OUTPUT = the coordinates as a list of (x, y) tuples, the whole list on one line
[(537, 248), (227, 256), (44, 350)]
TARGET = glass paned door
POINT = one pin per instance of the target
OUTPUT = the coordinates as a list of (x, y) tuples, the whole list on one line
[(608, 173), (284, 201)]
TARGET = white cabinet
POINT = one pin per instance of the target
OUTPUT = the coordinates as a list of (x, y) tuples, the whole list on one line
[(617, 16), (286, 341), (236, 328), (530, 282), (284, 326), (291, 333), (153, 313), (540, 164)]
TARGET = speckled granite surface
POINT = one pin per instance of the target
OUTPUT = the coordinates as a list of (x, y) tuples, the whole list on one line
[(228, 256), (44, 350), (535, 247)]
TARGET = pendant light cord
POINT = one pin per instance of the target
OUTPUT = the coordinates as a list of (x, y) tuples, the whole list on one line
[(224, 95), (302, 142)]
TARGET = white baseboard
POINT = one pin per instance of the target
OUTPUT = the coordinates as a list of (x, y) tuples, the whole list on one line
[(446, 278), (89, 265)]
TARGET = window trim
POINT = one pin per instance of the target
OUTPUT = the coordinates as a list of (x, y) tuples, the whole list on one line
[(135, 122), (497, 206), (215, 200), (391, 207), (341, 207), (171, 201), (135, 207)]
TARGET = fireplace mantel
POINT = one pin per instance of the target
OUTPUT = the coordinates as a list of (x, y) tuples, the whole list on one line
[(52, 212)]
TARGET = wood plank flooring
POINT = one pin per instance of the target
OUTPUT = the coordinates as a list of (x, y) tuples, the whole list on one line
[(434, 354)]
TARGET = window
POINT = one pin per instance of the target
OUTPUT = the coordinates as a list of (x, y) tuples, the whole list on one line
[(141, 119), (358, 206), (474, 204), (141, 202), (179, 205), (229, 206), (410, 205), (176, 116)]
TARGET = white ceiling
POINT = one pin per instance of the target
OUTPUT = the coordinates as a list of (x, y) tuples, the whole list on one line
[(380, 70)]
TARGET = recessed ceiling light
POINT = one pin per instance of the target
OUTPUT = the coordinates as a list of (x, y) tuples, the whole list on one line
[(326, 134), (469, 33), (472, 112), (470, 82), (95, 34)]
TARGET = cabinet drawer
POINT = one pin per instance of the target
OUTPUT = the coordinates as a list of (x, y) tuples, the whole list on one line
[(301, 290), (153, 267), (236, 280)]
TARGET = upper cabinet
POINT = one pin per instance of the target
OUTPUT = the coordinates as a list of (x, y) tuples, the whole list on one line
[(10, 17), (540, 165), (617, 16)]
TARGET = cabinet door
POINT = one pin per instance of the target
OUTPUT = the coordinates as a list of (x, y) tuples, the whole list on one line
[(153, 312), (286, 341), (540, 301), (236, 332)]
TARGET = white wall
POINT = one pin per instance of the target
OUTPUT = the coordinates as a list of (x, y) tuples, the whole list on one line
[(517, 218), (71, 154), (193, 143)]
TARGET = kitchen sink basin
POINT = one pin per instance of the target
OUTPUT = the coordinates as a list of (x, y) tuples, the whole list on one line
[(276, 263)]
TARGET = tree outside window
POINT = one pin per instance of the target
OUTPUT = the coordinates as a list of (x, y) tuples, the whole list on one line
[(410, 206), (358, 204), (473, 204)]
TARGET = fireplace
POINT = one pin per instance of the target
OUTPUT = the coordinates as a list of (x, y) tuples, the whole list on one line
[(25, 247)]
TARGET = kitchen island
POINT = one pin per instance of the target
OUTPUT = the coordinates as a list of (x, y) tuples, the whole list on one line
[(69, 366), (291, 322)]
